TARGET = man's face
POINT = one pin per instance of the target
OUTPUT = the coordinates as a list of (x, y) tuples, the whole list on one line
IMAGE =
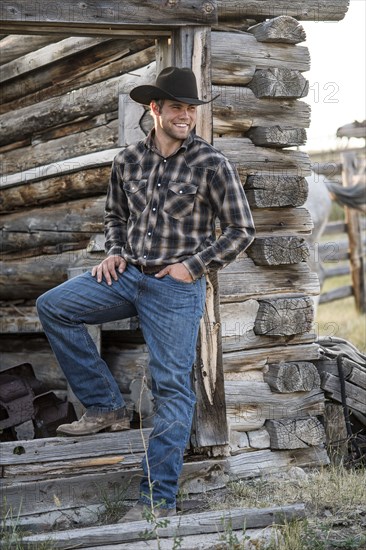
[(175, 119)]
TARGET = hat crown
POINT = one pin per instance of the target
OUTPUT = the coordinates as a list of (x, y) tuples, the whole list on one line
[(178, 82)]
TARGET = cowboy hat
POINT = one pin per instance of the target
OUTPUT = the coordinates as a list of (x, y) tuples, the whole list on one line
[(171, 83)]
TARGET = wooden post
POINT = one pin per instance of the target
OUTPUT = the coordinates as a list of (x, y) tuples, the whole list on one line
[(356, 252), (191, 48)]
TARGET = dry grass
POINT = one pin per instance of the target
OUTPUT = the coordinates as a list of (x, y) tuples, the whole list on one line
[(340, 318), (335, 500)]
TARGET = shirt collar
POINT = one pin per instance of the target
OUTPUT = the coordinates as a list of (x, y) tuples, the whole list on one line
[(149, 141)]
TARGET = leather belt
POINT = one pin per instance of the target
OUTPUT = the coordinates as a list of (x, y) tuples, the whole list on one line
[(149, 270)]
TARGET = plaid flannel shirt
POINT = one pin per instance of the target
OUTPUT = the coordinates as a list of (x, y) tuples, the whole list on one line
[(161, 211)]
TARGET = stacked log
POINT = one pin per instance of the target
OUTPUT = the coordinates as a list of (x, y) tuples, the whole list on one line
[(59, 132)]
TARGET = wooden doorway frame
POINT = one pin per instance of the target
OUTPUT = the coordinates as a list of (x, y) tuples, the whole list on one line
[(184, 39)]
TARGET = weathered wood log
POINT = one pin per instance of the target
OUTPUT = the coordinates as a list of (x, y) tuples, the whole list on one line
[(69, 224), (296, 433), (100, 63), (81, 141), (79, 184), (236, 57), (251, 409), (277, 136), (308, 10), (101, 158), (237, 323), (279, 83), (278, 250), (237, 110), (284, 29), (284, 316), (14, 45), (34, 275), (190, 524), (128, 16), (89, 101), (240, 393), (265, 191), (239, 361), (46, 55), (292, 377), (251, 160)]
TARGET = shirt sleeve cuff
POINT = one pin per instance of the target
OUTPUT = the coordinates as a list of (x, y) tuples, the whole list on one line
[(115, 251), (195, 267)]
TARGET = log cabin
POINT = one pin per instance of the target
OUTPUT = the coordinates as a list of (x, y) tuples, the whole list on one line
[(66, 70)]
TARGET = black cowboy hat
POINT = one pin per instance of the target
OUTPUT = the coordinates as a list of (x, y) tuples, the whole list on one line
[(171, 83)]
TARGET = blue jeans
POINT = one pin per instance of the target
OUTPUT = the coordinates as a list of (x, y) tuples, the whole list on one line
[(169, 314)]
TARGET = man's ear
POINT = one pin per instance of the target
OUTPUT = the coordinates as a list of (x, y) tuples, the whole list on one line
[(155, 108)]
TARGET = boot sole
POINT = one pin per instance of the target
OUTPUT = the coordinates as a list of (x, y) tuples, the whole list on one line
[(115, 427)]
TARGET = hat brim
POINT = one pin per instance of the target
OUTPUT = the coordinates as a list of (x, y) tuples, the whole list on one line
[(145, 94)]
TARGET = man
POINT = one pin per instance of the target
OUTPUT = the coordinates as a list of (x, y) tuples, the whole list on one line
[(164, 196)]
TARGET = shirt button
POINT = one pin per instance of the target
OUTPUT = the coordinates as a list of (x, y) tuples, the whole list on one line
[(154, 209), (159, 184), (149, 233), (145, 256), (180, 191), (164, 160)]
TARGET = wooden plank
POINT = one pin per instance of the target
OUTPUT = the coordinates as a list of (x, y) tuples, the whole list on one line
[(355, 396), (210, 425), (336, 294), (153, 13), (58, 448), (178, 526)]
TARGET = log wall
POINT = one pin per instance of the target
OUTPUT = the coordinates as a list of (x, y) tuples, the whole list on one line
[(59, 132)]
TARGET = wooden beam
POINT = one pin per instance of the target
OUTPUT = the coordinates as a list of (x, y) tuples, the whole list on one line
[(97, 14), (305, 10)]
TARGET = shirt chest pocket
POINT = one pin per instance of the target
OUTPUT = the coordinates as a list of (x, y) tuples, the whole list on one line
[(180, 199), (135, 191)]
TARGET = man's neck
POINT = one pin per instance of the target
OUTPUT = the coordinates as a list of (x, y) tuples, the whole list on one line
[(167, 147)]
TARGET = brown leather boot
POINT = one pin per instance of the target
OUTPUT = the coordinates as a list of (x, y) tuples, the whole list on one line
[(143, 512), (91, 423)]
